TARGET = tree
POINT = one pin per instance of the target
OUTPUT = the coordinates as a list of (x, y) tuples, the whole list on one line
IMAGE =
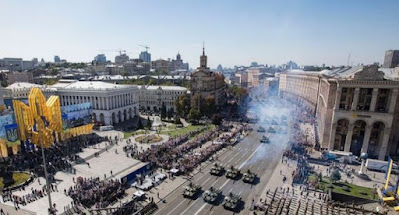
[(335, 176), (148, 123), (140, 124), (177, 119), (163, 111), (194, 115), (182, 104), (208, 106), (216, 119), (169, 113)]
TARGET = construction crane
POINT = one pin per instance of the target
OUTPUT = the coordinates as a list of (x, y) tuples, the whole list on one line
[(146, 47)]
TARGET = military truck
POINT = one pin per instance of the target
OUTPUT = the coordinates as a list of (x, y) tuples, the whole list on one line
[(217, 169), (249, 177), (232, 172), (231, 201), (264, 139), (211, 195), (191, 190)]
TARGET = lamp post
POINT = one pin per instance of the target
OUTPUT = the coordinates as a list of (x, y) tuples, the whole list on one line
[(46, 176)]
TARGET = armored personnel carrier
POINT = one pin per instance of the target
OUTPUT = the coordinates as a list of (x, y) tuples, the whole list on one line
[(232, 172), (191, 190), (217, 169), (261, 129), (274, 122), (264, 139), (271, 130), (249, 177), (231, 201), (211, 195)]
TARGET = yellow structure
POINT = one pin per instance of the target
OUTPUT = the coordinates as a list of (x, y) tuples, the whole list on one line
[(41, 121)]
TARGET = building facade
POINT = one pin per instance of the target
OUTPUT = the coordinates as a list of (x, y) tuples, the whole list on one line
[(111, 103), (391, 59), (253, 77), (145, 57), (14, 77), (154, 97), (207, 83), (100, 58), (356, 109)]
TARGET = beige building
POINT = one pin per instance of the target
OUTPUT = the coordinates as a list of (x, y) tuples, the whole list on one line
[(207, 83), (154, 97), (253, 77), (356, 109)]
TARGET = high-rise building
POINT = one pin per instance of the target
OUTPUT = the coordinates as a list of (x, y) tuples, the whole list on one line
[(122, 58), (100, 58), (57, 59), (391, 59), (146, 57)]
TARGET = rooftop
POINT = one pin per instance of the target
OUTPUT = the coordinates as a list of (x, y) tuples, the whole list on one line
[(23, 85), (347, 72), (94, 85), (155, 87)]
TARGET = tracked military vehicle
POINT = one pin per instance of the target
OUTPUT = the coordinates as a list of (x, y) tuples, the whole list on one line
[(232, 172), (249, 177), (264, 139), (231, 201), (217, 169), (261, 129), (271, 130), (211, 195), (191, 190)]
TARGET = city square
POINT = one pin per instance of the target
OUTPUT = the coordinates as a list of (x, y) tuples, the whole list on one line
[(199, 108)]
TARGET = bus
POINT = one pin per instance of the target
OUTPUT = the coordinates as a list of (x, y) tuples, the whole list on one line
[(106, 128)]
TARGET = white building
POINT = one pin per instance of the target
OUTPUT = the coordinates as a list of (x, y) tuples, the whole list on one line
[(111, 103), (153, 97), (21, 90)]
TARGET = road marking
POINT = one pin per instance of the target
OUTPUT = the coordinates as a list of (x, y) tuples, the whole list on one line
[(206, 180), (176, 207), (249, 157), (199, 210), (224, 184)]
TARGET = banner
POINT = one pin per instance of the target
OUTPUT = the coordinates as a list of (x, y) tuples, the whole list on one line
[(12, 132), (76, 115)]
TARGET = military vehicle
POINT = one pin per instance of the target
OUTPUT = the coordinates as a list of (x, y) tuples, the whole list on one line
[(249, 177), (282, 131), (231, 201), (191, 190), (261, 129), (217, 169), (271, 130), (211, 195), (264, 139), (274, 122), (232, 172)]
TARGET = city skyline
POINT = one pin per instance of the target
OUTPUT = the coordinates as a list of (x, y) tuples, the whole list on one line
[(307, 32)]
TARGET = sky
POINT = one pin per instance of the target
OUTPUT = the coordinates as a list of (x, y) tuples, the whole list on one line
[(309, 32)]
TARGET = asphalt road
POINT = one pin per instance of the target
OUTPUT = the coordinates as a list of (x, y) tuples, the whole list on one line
[(249, 153)]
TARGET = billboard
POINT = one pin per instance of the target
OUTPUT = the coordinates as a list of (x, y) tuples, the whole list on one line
[(76, 115), (7, 123)]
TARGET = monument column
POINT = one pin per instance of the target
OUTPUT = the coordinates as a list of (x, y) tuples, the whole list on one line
[(348, 140), (374, 99), (366, 139), (355, 99), (384, 146)]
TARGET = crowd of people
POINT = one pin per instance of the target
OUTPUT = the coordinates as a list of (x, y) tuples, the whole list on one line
[(179, 153), (92, 191), (59, 156), (164, 154)]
